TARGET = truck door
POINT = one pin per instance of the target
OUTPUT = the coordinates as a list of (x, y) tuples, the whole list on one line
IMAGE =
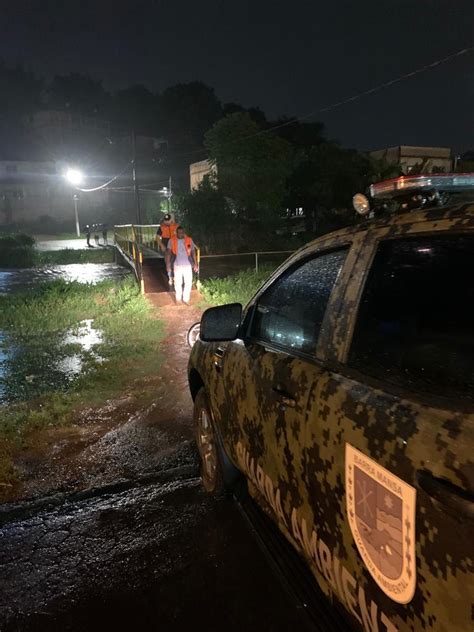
[(389, 456), (268, 377)]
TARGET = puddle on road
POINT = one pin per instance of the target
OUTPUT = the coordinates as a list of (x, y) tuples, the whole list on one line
[(42, 363)]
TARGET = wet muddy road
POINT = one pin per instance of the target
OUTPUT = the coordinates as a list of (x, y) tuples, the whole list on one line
[(160, 555), (111, 529)]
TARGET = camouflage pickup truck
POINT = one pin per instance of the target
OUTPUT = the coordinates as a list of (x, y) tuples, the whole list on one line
[(343, 395)]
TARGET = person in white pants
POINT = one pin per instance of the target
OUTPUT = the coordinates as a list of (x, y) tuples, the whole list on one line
[(180, 263)]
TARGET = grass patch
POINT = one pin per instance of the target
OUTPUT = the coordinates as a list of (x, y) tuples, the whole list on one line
[(236, 288), (68, 255), (128, 350)]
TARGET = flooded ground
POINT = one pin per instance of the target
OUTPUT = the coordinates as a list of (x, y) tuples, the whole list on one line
[(41, 363), (30, 366), (17, 280)]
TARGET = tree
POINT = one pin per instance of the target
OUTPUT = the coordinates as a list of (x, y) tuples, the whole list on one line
[(136, 107), (207, 216), (256, 114), (79, 93), (324, 181), (187, 111), (21, 92), (300, 134), (252, 167)]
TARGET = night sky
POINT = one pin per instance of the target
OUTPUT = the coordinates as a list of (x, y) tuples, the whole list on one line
[(289, 58)]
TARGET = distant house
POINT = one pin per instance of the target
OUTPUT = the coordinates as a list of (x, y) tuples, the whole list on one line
[(417, 159), (198, 171)]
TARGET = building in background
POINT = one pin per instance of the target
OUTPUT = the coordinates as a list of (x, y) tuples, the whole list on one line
[(198, 171), (417, 159), (33, 193)]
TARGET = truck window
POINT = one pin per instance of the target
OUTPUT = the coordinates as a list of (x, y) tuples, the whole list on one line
[(291, 312), (415, 325)]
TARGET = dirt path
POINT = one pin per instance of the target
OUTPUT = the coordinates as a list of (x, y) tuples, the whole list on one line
[(147, 429)]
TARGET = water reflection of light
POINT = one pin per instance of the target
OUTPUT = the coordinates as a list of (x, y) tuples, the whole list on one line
[(84, 335), (3, 357), (24, 279), (70, 366), (5, 277), (87, 337), (27, 369), (8, 351), (89, 272)]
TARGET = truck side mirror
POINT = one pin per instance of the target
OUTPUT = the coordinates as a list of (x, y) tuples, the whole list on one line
[(221, 324)]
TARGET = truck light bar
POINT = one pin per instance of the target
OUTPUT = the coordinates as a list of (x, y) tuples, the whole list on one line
[(438, 181)]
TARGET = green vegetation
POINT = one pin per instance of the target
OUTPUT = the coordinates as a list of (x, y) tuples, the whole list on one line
[(127, 349), (17, 250), (236, 288), (253, 174), (249, 200), (68, 255)]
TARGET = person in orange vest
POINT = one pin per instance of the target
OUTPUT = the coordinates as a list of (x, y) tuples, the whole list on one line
[(166, 230), (180, 263)]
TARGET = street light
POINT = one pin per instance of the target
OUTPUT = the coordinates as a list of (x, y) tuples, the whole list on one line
[(167, 193), (75, 177)]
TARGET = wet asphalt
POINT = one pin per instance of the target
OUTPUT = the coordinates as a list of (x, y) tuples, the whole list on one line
[(160, 555)]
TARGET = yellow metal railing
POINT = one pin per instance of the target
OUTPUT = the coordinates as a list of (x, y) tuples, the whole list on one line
[(132, 237), (127, 235), (145, 235), (135, 241)]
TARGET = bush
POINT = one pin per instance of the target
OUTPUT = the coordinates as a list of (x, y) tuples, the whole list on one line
[(17, 250)]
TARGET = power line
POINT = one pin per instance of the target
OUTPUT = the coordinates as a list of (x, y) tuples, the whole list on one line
[(103, 186), (147, 184), (378, 88), (131, 190), (337, 104)]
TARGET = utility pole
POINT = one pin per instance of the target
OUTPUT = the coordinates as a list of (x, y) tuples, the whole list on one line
[(169, 197), (134, 177), (75, 198)]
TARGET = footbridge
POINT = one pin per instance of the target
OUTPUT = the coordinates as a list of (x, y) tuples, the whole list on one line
[(138, 246)]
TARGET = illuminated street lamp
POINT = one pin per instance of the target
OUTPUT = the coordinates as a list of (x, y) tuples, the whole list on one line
[(168, 195), (75, 177)]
